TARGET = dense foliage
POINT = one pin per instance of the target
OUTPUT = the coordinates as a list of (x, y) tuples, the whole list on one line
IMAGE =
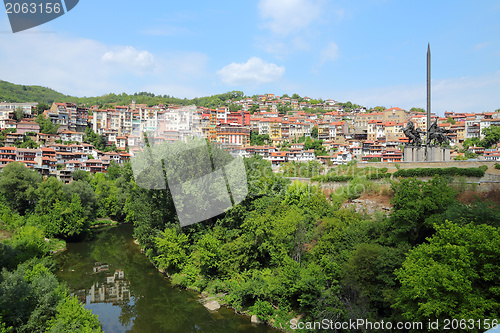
[(287, 249), (453, 171), (21, 93)]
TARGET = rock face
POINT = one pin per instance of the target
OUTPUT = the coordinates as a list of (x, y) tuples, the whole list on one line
[(255, 319), (365, 206), (212, 306)]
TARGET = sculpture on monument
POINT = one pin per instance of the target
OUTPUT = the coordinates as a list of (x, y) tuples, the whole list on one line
[(437, 135), (431, 150), (413, 134)]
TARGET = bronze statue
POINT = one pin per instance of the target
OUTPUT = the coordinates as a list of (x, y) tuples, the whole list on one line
[(437, 135), (413, 134)]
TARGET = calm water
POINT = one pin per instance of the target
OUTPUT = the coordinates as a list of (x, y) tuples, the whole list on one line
[(117, 282)]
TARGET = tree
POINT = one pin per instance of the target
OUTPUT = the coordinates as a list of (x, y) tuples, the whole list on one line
[(317, 145), (72, 317), (254, 108), (370, 272), (172, 248), (66, 219), (257, 139), (471, 142), (85, 192), (29, 144), (18, 184), (29, 296), (48, 193), (46, 125), (417, 205), (28, 242), (235, 107), (491, 136), (314, 131), (19, 113), (417, 110), (378, 109), (455, 275), (81, 175), (40, 107)]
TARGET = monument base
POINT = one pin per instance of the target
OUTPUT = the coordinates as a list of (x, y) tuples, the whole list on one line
[(426, 154), (414, 154), (438, 154)]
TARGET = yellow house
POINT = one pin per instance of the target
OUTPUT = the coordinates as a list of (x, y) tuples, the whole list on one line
[(275, 128)]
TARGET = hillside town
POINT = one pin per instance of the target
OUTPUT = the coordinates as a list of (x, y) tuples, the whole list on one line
[(280, 129)]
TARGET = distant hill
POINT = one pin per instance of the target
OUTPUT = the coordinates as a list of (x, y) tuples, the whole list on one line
[(10, 92), (17, 93)]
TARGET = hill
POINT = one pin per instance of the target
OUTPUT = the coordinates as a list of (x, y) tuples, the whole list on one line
[(17, 93), (11, 92)]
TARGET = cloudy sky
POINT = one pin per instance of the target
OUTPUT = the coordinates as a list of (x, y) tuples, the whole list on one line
[(369, 52)]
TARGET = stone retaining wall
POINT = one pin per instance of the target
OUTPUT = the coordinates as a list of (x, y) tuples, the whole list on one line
[(413, 165)]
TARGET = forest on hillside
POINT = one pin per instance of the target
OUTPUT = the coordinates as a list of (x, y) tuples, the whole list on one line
[(16, 93), (285, 251)]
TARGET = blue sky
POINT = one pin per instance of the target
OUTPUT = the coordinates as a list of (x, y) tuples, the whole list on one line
[(369, 52)]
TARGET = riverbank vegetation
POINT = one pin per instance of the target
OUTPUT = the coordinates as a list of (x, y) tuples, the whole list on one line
[(286, 251)]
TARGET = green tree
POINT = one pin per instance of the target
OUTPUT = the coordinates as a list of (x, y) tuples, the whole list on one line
[(455, 275), (172, 248), (417, 110), (72, 317), (257, 139), (85, 192), (369, 272), (491, 136), (81, 175), (19, 113), (40, 107), (46, 125), (28, 242), (314, 132), (48, 193), (105, 194), (207, 254), (417, 205), (317, 145), (471, 142), (66, 219), (17, 185), (29, 296)]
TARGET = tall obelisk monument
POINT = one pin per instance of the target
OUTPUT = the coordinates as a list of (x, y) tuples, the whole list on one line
[(428, 90)]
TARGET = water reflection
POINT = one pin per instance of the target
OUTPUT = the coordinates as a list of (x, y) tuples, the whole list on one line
[(110, 276)]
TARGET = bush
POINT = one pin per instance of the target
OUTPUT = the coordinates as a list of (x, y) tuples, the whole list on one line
[(497, 165), (429, 172), (262, 309)]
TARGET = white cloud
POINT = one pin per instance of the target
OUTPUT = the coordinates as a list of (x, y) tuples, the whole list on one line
[(480, 46), (330, 53), (284, 17), (254, 71), (129, 57), (279, 49), (86, 67)]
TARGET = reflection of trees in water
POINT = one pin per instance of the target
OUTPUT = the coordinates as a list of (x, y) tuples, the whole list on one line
[(110, 247)]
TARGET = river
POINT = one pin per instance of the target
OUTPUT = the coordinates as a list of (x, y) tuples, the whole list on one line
[(117, 282)]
